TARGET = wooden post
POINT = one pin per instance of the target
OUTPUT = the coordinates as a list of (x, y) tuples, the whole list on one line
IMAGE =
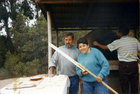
[(57, 38), (49, 37), (135, 32)]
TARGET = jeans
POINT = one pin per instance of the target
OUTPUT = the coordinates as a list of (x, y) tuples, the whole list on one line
[(90, 86), (74, 85)]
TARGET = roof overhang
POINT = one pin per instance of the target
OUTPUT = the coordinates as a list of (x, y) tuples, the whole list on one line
[(90, 14)]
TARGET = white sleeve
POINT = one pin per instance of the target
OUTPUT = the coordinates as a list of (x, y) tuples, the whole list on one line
[(113, 46), (138, 46), (54, 59)]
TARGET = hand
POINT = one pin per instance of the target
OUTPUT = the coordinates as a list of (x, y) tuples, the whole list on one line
[(84, 72), (51, 75), (99, 79), (95, 43)]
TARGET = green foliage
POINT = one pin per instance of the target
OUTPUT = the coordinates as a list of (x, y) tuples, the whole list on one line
[(31, 45), (10, 9), (26, 9), (36, 46), (3, 12), (33, 67), (31, 48), (19, 31), (12, 64), (14, 11), (3, 50), (4, 73)]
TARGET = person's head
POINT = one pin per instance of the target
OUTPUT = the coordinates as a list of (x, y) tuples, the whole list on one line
[(123, 31), (83, 45), (69, 39)]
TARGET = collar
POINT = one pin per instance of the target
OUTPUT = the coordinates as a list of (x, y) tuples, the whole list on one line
[(64, 46), (124, 36)]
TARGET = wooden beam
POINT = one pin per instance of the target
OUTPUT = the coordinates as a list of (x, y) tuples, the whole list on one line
[(37, 1), (67, 7), (49, 36), (135, 32), (81, 1), (114, 64), (44, 11), (79, 29), (57, 38), (98, 24), (68, 14)]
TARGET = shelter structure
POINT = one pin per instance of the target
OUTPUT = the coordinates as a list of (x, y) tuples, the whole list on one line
[(88, 15), (64, 15)]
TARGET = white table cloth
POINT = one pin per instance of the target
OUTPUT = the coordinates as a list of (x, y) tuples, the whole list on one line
[(55, 85)]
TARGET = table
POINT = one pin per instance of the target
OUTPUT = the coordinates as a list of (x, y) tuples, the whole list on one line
[(55, 85)]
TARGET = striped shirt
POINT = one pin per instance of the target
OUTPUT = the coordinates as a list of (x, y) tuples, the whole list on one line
[(126, 47)]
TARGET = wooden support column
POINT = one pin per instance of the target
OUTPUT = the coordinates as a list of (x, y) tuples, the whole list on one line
[(135, 32), (139, 34), (49, 37), (57, 38)]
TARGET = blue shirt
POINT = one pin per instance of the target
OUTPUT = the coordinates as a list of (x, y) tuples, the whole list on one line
[(73, 47), (95, 62)]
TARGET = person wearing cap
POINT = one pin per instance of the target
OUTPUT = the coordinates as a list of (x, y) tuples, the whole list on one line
[(95, 62), (127, 48), (63, 65)]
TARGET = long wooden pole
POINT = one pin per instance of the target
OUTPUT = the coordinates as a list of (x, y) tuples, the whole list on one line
[(80, 66)]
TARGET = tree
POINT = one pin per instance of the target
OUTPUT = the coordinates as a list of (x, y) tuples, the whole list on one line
[(10, 9), (31, 46), (3, 50), (19, 32)]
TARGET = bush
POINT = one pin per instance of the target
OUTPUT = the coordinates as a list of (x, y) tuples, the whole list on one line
[(14, 65), (4, 73), (32, 68)]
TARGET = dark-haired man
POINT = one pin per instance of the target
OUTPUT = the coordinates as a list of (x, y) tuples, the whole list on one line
[(63, 65), (127, 48)]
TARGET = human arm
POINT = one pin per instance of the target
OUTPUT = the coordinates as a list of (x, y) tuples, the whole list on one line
[(103, 63), (138, 46), (100, 45), (51, 74), (53, 64), (79, 71)]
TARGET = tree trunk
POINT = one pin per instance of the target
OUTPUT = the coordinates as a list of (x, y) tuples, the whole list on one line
[(9, 41)]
